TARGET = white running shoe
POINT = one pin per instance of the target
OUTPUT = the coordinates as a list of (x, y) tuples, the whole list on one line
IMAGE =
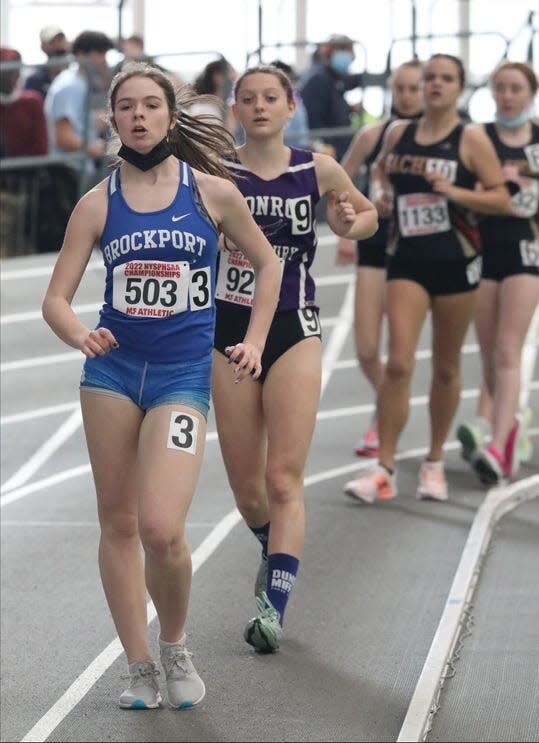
[(432, 482)]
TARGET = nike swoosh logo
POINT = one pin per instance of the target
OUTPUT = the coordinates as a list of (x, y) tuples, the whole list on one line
[(183, 216)]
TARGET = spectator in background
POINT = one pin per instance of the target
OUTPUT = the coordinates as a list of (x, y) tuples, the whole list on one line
[(75, 125), (55, 45), (133, 50), (66, 104), (23, 130), (215, 79), (323, 86), (296, 132)]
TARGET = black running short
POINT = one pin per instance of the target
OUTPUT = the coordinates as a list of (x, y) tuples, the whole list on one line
[(287, 328), (438, 277), (374, 256), (510, 259)]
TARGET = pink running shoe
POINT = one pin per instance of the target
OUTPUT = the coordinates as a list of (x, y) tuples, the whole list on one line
[(489, 463), (369, 446), (432, 482), (511, 459), (373, 483)]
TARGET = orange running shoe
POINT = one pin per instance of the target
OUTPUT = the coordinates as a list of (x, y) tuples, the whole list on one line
[(432, 482), (373, 483)]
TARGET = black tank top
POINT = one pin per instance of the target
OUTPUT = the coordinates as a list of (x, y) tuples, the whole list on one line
[(381, 236), (523, 223), (427, 226)]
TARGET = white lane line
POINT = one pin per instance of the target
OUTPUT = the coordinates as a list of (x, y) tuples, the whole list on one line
[(422, 706), (30, 315), (338, 337), (498, 501), (46, 270), (30, 415), (47, 482), (37, 361), (44, 452)]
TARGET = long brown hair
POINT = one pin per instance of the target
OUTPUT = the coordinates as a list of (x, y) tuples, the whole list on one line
[(199, 140)]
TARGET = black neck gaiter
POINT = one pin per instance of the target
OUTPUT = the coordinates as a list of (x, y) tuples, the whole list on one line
[(144, 162)]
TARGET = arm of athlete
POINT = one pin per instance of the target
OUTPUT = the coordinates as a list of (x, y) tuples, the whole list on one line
[(479, 156), (380, 188), (83, 230), (349, 213), (358, 151), (231, 212)]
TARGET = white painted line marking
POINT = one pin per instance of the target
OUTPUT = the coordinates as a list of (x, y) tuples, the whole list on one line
[(30, 415), (44, 453), (497, 502)]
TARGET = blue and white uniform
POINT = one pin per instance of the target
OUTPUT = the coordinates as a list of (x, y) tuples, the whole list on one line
[(284, 208), (160, 282)]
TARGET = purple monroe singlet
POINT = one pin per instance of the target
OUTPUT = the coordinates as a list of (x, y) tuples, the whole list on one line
[(160, 278), (284, 208)]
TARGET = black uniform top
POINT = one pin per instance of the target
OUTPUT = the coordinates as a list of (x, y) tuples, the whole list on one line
[(381, 236), (523, 223), (427, 226)]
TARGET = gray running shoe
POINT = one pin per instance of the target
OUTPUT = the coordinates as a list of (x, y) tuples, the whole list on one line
[(143, 690), (185, 688), (261, 577), (264, 631)]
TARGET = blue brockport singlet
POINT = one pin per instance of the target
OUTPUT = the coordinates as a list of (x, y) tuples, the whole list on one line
[(160, 275)]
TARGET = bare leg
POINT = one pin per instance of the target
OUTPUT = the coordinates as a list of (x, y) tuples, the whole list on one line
[(407, 307), (518, 300), (368, 315), (451, 316), (167, 481), (120, 554), (291, 397)]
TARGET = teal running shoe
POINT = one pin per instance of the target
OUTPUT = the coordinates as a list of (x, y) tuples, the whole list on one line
[(264, 631), (261, 578), (472, 437)]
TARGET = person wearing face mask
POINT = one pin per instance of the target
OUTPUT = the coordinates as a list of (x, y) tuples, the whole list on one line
[(496, 440), (55, 45), (323, 86)]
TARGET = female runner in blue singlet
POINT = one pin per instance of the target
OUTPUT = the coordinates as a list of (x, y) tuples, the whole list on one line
[(265, 428), (146, 380)]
